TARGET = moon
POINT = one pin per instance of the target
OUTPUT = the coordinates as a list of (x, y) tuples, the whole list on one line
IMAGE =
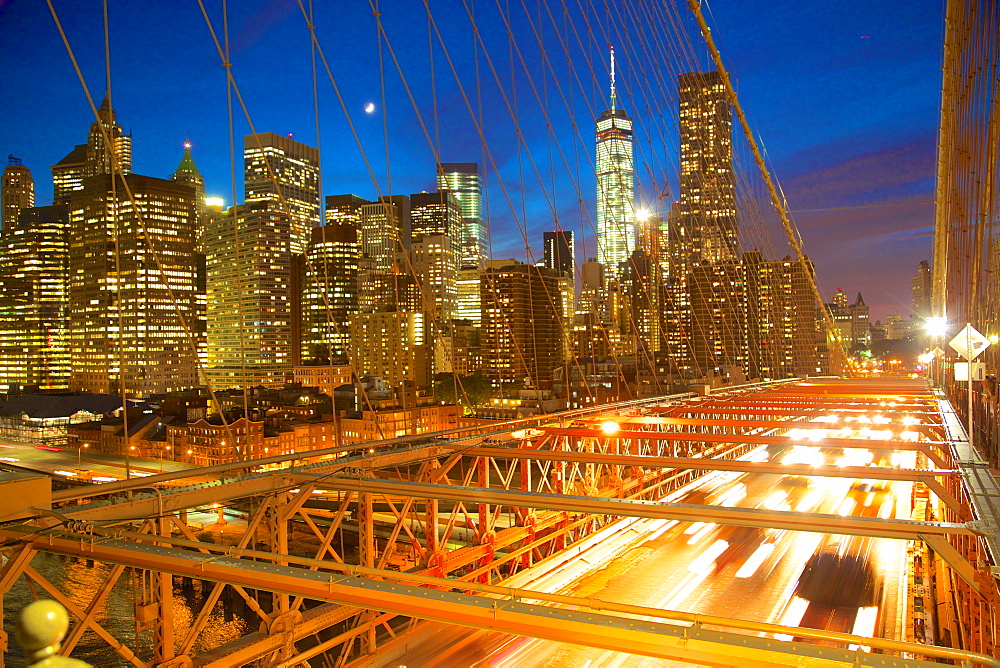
[(370, 108)]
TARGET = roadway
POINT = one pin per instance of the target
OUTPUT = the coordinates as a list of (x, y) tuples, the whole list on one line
[(79, 465), (743, 573)]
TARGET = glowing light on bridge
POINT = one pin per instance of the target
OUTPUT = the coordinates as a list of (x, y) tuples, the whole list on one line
[(610, 427)]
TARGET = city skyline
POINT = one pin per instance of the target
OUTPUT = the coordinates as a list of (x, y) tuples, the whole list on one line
[(834, 160)]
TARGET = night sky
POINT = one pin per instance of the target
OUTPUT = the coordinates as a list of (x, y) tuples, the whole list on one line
[(844, 96)]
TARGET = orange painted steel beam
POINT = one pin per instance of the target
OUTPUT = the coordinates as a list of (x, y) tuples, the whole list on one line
[(769, 424), (737, 409), (503, 612), (750, 517), (918, 446), (865, 472)]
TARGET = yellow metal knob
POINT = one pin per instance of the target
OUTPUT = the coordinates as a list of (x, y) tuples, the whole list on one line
[(40, 629)]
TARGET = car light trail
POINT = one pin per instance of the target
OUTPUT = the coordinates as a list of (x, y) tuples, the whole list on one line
[(707, 559), (864, 625), (793, 615), (701, 533), (756, 559)]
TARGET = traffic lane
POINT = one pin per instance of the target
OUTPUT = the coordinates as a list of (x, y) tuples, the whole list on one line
[(52, 460), (760, 597)]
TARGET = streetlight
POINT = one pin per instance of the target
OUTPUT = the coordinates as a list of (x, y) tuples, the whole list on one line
[(936, 327), (610, 427), (79, 458)]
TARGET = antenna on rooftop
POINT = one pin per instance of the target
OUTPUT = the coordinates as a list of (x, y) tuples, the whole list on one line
[(612, 78)]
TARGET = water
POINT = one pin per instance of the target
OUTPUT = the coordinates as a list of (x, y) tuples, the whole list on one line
[(79, 580)]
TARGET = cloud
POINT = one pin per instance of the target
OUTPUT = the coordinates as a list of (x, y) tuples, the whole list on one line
[(902, 172)]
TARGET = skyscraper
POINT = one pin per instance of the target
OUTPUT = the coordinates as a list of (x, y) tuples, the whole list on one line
[(18, 192), (286, 171), (435, 239), (718, 316), (707, 182), (462, 180), (560, 257), (384, 236), (106, 138), (330, 291), (922, 290), (643, 287), (781, 318), (67, 174), (250, 297), (34, 299), (522, 337), (132, 277), (615, 186), (559, 254)]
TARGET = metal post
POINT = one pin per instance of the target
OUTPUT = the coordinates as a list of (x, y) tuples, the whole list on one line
[(969, 358)]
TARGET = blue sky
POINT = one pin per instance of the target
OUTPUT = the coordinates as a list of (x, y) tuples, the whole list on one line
[(843, 96)]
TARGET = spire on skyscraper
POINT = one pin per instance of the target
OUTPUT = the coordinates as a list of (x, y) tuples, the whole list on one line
[(613, 92), (615, 185), (187, 170)]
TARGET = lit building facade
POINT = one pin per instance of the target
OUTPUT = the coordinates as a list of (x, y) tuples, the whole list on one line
[(252, 332), (464, 182), (281, 169), (33, 300), (707, 181), (394, 345), (718, 317), (781, 318), (325, 377), (17, 192), (384, 238), (107, 145), (67, 174), (615, 186), (132, 277), (329, 291), (435, 242), (467, 305), (522, 337)]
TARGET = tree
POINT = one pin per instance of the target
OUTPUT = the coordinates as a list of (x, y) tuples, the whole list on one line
[(470, 391)]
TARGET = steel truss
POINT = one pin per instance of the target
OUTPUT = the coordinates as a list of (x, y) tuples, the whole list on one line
[(429, 531)]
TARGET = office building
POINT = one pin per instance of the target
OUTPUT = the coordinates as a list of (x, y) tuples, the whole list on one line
[(717, 294), (922, 291), (109, 149), (67, 174), (394, 345), (435, 237), (330, 291), (615, 186), (559, 254), (521, 332), (781, 318), (852, 321), (384, 239), (17, 192), (464, 182), (252, 297), (467, 303), (707, 181), (286, 171), (132, 278), (187, 173), (34, 299)]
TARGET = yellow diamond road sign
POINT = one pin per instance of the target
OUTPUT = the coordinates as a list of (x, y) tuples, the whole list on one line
[(969, 343)]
